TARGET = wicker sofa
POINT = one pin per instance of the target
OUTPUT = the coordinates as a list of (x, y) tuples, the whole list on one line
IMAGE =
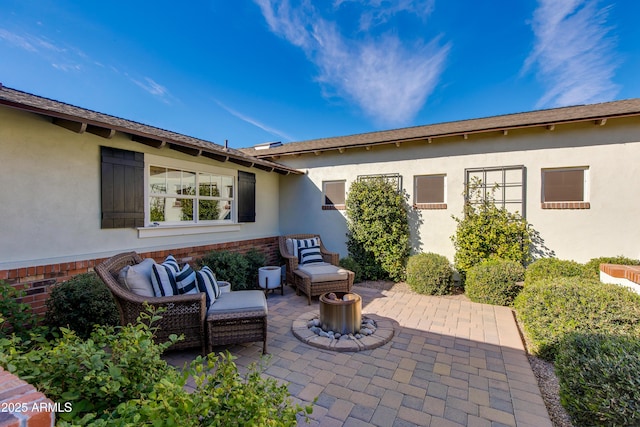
[(317, 278), (236, 317)]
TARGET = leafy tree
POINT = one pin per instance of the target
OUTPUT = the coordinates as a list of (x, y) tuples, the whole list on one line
[(378, 236)]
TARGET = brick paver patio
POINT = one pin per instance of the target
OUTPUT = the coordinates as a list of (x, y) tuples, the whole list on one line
[(451, 362)]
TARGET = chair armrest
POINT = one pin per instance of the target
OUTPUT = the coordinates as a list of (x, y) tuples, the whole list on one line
[(330, 257), (292, 261)]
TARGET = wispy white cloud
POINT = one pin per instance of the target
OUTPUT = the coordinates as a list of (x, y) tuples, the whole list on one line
[(17, 40), (256, 123), (151, 86), (59, 57), (387, 78), (69, 58), (574, 52), (378, 12)]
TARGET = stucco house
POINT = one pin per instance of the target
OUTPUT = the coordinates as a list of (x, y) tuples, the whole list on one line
[(573, 173), (79, 186)]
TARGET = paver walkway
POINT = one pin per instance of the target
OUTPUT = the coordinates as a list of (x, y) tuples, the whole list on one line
[(450, 363)]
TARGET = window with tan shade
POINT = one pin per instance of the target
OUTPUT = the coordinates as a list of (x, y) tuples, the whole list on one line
[(333, 194), (563, 185), (565, 188), (429, 191)]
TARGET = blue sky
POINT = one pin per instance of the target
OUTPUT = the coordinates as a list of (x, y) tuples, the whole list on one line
[(251, 71)]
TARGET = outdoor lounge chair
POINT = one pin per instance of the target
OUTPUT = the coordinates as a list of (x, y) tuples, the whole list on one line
[(235, 317), (310, 270)]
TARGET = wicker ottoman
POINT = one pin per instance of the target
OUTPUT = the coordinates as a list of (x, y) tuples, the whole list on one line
[(237, 317)]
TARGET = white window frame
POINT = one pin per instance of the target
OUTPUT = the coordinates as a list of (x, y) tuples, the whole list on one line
[(586, 193), (324, 194), (162, 229)]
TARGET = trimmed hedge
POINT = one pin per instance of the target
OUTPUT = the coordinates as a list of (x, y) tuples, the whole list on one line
[(241, 270), (550, 309), (549, 268), (80, 303), (599, 378), (494, 281), (429, 273)]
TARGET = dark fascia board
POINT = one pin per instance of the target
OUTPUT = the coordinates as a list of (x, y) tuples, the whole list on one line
[(596, 113), (105, 129)]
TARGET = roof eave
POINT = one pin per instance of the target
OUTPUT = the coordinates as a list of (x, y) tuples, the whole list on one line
[(107, 130)]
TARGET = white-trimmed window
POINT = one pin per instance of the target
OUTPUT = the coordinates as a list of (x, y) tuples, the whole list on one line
[(565, 188), (180, 193), (429, 191), (333, 195)]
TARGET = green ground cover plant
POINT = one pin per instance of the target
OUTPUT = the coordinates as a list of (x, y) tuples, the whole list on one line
[(117, 377), (430, 274), (494, 281)]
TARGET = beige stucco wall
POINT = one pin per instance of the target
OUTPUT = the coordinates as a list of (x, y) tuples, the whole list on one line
[(611, 152), (50, 196)]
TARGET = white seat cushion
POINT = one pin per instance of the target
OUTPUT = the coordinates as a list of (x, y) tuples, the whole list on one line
[(324, 272), (238, 302)]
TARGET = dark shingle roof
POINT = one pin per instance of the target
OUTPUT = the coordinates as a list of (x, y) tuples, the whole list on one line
[(94, 121), (581, 113)]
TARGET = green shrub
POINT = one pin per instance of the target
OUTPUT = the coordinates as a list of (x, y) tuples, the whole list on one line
[(94, 375), (80, 303), (549, 268), (550, 309), (119, 378), (430, 274), (241, 270), (593, 265), (599, 378), (17, 316), (351, 264), (222, 397), (255, 260), (486, 230), (378, 228), (494, 281)]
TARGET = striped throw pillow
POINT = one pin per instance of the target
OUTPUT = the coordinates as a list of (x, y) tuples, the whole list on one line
[(163, 277), (299, 244), (186, 281), (310, 255), (206, 282)]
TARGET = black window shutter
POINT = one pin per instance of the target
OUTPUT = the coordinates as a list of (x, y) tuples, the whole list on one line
[(122, 188), (246, 197)]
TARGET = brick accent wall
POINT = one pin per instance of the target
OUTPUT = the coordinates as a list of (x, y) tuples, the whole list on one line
[(629, 272), (37, 280), (22, 405)]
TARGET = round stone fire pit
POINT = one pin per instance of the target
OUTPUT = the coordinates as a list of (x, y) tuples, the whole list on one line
[(341, 312)]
